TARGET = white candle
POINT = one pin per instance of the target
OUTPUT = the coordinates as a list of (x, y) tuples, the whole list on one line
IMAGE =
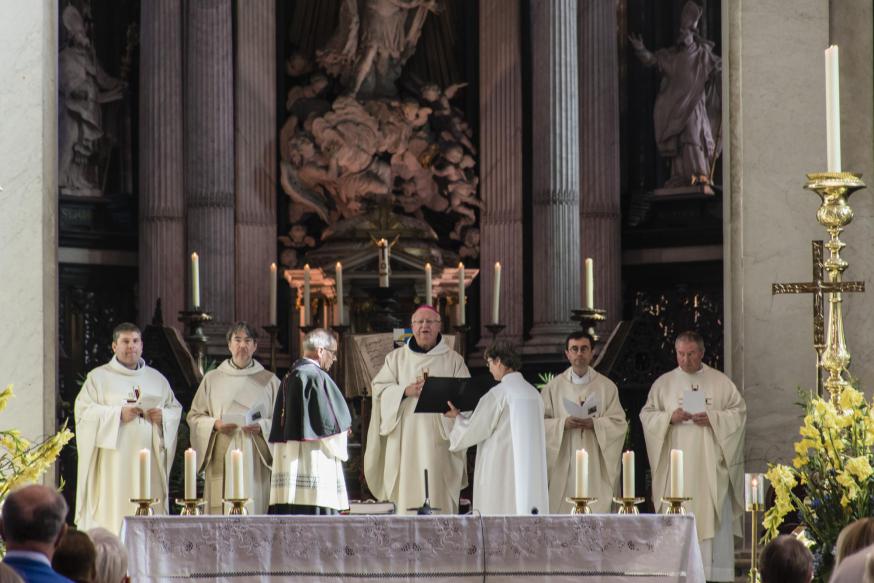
[(306, 295), (236, 485), (428, 288), (590, 284), (755, 487), (496, 295), (195, 280), (628, 474), (833, 108), (582, 474), (384, 268), (273, 294), (338, 274), (190, 474), (676, 473), (461, 295), (145, 485)]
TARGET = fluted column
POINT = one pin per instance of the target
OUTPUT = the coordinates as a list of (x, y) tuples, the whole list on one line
[(161, 201), (209, 150), (255, 143), (556, 171), (501, 162), (599, 163)]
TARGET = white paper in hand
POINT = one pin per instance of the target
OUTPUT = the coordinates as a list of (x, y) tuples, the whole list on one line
[(148, 401), (588, 409), (694, 402)]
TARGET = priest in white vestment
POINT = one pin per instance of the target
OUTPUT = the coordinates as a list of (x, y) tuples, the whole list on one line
[(311, 423), (124, 406), (401, 444), (232, 410), (602, 435), (507, 428), (712, 443)]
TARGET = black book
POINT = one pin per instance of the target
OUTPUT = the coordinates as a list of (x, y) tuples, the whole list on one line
[(464, 393)]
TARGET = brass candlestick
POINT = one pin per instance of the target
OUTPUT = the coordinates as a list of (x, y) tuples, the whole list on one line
[(581, 504), (461, 343), (589, 320), (196, 339), (754, 576), (675, 504), (495, 329), (628, 505), (144, 506), (272, 331), (238, 506), (834, 190), (191, 506)]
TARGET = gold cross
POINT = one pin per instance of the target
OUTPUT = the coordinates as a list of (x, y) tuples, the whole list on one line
[(818, 287)]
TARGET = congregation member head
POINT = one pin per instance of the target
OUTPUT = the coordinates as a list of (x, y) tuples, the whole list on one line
[(32, 525), (578, 351), (689, 347), (854, 537), (321, 346), (127, 344), (502, 359), (786, 560), (111, 561), (426, 328), (242, 344), (76, 557)]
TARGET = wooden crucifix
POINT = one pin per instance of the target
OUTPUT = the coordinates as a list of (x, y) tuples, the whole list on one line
[(818, 287)]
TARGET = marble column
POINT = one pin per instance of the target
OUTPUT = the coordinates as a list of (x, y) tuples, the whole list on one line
[(162, 204), (501, 163), (209, 150), (255, 143), (28, 215), (556, 172), (599, 161)]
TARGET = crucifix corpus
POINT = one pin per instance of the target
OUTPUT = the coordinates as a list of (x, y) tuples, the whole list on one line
[(818, 287)]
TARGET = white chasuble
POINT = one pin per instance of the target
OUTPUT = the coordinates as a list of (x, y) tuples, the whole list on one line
[(603, 443), (230, 391), (507, 428), (108, 449), (402, 444), (713, 456)]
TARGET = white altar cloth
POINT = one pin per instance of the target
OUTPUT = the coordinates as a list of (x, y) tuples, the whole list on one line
[(497, 549)]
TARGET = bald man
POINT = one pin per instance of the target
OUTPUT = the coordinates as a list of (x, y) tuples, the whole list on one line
[(32, 526), (401, 444)]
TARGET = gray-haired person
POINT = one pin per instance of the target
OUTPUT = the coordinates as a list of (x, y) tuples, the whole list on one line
[(310, 426)]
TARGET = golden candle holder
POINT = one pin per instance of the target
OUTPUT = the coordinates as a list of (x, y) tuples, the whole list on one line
[(191, 506), (628, 505), (754, 576), (589, 318), (238, 506), (834, 190), (581, 504), (675, 504), (144, 506)]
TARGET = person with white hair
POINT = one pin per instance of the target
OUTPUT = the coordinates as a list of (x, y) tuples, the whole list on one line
[(111, 557), (310, 428)]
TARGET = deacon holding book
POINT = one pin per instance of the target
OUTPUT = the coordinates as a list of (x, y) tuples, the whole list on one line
[(402, 444), (124, 407), (601, 432), (232, 410), (311, 423), (507, 428), (711, 439)]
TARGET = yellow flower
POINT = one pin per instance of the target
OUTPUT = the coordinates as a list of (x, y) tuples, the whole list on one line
[(859, 466), (5, 395), (851, 399)]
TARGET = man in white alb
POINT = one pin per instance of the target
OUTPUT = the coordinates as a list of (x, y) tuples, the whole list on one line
[(402, 444), (712, 442), (601, 435), (507, 428), (238, 389), (124, 406)]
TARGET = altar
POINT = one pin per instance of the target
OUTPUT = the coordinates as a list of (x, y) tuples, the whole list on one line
[(497, 549)]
